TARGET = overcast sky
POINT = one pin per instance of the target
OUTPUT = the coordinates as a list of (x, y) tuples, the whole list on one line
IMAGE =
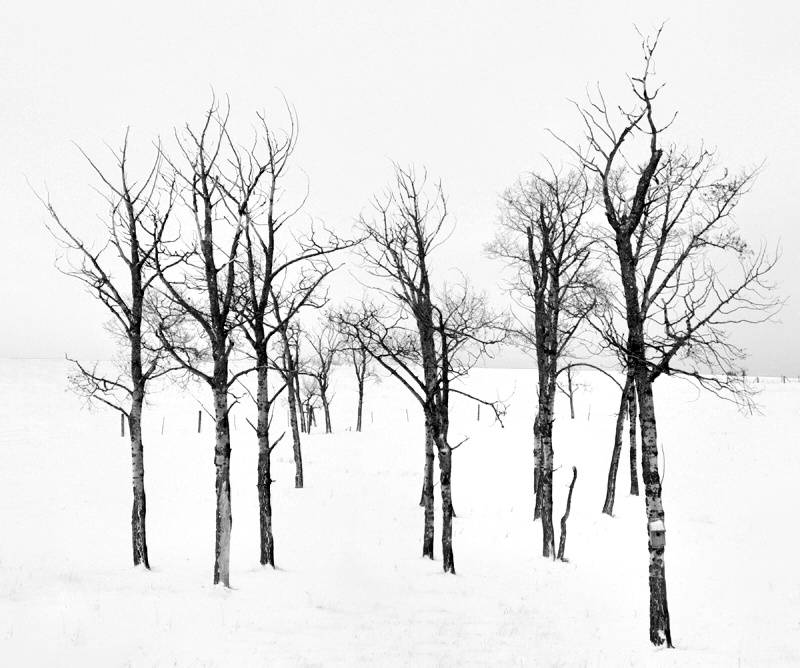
[(466, 89)]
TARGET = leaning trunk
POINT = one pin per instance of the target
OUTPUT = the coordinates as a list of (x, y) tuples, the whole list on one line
[(632, 436), (659, 612), (611, 484), (298, 457), (305, 424), (562, 543), (267, 556), (222, 462), (139, 501)]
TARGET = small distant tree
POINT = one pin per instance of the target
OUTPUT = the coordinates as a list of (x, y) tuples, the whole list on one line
[(543, 238), (326, 345), (424, 339), (363, 369), (308, 401), (128, 245), (569, 385)]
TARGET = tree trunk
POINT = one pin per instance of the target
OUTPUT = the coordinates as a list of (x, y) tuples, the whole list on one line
[(305, 425), (427, 500), (611, 485), (222, 462), (632, 434), (327, 409), (298, 457), (562, 543), (546, 486), (659, 612), (139, 510), (537, 467), (445, 458), (360, 404), (267, 556)]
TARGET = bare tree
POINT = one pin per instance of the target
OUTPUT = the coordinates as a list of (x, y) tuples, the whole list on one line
[(543, 239), (359, 355), (198, 278), (424, 339), (282, 265), (308, 401), (669, 223), (569, 392), (326, 345), (128, 244), (288, 367)]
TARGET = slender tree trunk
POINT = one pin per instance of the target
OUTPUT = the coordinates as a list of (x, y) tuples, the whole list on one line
[(360, 404), (427, 500), (302, 413), (632, 417), (445, 458), (611, 485), (139, 510), (659, 612), (222, 462), (569, 387), (293, 399), (327, 409), (267, 556), (305, 424), (562, 543)]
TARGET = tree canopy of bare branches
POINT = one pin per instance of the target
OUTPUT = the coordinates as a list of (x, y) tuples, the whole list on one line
[(199, 284), (543, 237), (326, 346), (668, 226), (130, 239), (423, 337)]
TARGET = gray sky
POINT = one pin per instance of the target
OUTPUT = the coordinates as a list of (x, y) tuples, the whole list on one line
[(465, 88)]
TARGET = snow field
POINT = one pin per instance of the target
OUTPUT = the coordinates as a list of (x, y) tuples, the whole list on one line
[(351, 587)]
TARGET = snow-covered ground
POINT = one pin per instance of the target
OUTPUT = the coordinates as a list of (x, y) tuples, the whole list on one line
[(351, 587)]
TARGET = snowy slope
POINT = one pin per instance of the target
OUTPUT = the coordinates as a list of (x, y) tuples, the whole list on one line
[(351, 587)]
